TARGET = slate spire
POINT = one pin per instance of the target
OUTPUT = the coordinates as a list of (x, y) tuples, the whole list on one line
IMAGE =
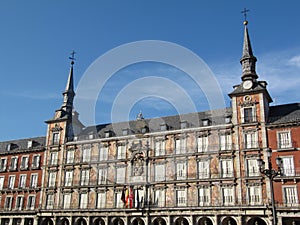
[(248, 60), (69, 92)]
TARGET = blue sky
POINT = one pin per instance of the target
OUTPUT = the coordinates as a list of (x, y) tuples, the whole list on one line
[(38, 36)]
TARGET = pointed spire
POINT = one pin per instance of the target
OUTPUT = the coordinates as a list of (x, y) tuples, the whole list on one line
[(69, 92), (248, 60)]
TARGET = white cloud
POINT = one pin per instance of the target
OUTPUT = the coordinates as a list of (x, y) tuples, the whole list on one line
[(294, 61)]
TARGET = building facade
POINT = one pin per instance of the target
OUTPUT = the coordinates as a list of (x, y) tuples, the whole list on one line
[(199, 168)]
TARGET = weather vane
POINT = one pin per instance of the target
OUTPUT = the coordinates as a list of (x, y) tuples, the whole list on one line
[(245, 15), (72, 57)]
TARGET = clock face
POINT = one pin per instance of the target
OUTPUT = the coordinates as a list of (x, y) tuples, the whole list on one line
[(247, 84)]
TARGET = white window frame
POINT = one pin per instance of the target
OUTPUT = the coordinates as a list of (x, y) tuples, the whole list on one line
[(68, 178), (70, 156), (35, 161), (159, 172), (84, 200), (225, 141), (204, 196), (254, 195), (120, 175), (102, 175), (3, 164), (52, 179), (53, 158), (288, 166), (160, 197), (101, 200), (226, 168), (86, 153), (202, 143), (118, 202), (11, 181), (284, 139), (228, 197), (181, 170), (50, 201), (8, 202), (103, 153), (121, 152), (67, 200), (204, 169), (252, 167), (252, 117), (181, 197), (55, 138), (34, 180), (30, 204), (22, 180), (2, 178), (85, 177), (180, 145), (251, 140), (290, 199), (24, 162), (19, 202), (13, 163), (159, 148)]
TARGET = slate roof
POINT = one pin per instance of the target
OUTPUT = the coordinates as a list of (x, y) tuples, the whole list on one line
[(22, 144), (215, 117), (283, 114)]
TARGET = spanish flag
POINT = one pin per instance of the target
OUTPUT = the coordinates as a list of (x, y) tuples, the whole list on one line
[(127, 198), (131, 198)]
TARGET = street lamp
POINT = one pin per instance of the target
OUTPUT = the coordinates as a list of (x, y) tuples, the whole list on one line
[(271, 174)]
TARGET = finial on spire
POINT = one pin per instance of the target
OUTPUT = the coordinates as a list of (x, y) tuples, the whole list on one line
[(245, 11), (140, 116), (72, 57)]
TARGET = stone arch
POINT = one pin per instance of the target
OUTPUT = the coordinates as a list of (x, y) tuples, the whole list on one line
[(138, 221), (229, 221), (63, 221), (98, 221), (80, 221), (205, 221), (47, 221), (28, 221), (181, 221), (118, 221), (159, 221), (256, 221)]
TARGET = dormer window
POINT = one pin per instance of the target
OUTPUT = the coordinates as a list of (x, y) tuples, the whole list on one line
[(144, 130), (108, 134), (91, 136), (125, 131), (183, 124), (205, 122), (228, 119), (29, 144), (163, 127), (8, 147)]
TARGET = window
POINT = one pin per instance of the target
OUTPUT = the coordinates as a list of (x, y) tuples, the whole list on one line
[(121, 152), (55, 138), (1, 182), (290, 195), (67, 200), (226, 168), (86, 154), (31, 202), (50, 201), (181, 197), (181, 170), (34, 180), (284, 139), (102, 175), (22, 181), (251, 140), (252, 168), (120, 171), (3, 162), (19, 203), (288, 168), (180, 146), (11, 182), (159, 170), (8, 202), (225, 141), (103, 153), (83, 200), (228, 195), (163, 127), (29, 144), (13, 163), (159, 198), (85, 176), (70, 156), (202, 143), (203, 169), (183, 124), (101, 197), (118, 202), (36, 161), (24, 162), (254, 195), (249, 115), (125, 131), (204, 196), (53, 158), (68, 178), (159, 147), (51, 179)]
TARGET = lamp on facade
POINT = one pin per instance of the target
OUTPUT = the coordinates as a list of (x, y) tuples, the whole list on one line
[(271, 174)]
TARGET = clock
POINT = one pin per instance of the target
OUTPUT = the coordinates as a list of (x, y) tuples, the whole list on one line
[(247, 84)]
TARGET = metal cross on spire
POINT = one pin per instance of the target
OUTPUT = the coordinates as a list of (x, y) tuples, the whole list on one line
[(245, 11), (72, 57)]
